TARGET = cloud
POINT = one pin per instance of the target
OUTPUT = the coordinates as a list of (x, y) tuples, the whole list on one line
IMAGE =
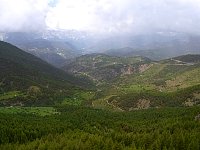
[(101, 16), (93, 15), (23, 15)]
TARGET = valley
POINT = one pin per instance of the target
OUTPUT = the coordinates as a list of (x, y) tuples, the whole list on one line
[(100, 75), (98, 101)]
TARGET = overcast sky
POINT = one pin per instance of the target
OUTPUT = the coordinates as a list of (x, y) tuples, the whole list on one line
[(101, 16)]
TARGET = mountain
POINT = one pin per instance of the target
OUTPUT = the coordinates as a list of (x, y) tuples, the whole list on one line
[(171, 82), (104, 68), (54, 51), (60, 46), (189, 58), (154, 54), (26, 78), (156, 46), (131, 83)]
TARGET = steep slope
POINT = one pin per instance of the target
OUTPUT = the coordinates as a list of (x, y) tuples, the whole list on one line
[(31, 77), (53, 50), (104, 68)]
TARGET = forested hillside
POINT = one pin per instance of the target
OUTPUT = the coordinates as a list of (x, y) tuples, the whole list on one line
[(85, 128), (26, 79), (104, 103)]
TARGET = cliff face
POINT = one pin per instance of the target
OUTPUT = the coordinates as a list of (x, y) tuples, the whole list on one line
[(135, 69)]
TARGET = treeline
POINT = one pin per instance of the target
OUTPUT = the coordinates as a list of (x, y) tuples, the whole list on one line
[(85, 128)]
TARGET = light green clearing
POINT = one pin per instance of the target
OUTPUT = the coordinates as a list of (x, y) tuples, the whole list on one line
[(41, 111), (11, 94), (78, 98)]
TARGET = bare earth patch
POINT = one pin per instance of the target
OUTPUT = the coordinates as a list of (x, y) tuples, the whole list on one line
[(143, 104)]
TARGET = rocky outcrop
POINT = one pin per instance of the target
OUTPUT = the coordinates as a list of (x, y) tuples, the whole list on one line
[(143, 104), (128, 70), (144, 67)]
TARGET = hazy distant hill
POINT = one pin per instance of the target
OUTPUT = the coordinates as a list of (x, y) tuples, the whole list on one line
[(154, 54), (56, 46), (155, 46), (54, 51), (189, 58)]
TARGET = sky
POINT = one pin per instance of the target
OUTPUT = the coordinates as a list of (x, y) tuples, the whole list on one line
[(101, 16)]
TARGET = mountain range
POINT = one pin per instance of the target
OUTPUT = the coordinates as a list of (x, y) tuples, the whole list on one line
[(59, 47), (54, 51), (122, 80), (130, 83)]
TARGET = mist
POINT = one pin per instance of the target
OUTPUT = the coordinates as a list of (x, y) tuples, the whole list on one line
[(101, 16)]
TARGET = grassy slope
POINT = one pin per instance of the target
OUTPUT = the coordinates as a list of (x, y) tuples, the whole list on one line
[(103, 68), (166, 83)]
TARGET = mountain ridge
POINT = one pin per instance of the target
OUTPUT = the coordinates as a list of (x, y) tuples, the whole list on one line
[(22, 72)]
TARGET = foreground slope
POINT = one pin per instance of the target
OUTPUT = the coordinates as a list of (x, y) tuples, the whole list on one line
[(87, 129), (28, 77)]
